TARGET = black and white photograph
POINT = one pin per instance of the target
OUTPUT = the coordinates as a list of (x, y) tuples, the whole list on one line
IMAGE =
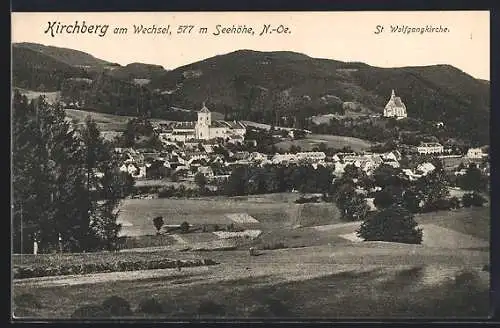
[(186, 166)]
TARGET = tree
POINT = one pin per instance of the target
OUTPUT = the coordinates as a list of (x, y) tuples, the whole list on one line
[(236, 184), (200, 180), (158, 223), (394, 224), (67, 184), (386, 175), (473, 199), (46, 175), (343, 193), (30, 181), (355, 209), (432, 187), (184, 227), (299, 134), (352, 172), (472, 180), (411, 201), (388, 196)]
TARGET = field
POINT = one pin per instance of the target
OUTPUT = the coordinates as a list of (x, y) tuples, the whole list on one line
[(314, 140), (356, 281), (164, 183), (305, 267), (272, 212), (50, 96)]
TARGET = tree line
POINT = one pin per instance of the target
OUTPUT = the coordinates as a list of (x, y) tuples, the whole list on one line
[(66, 181)]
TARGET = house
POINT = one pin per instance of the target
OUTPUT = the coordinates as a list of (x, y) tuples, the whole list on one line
[(425, 168), (311, 155), (371, 204), (394, 164), (206, 171), (430, 148), (241, 155), (257, 157), (282, 158), (218, 159), (136, 171), (395, 107), (393, 155), (475, 153), (461, 172), (339, 168), (251, 143), (208, 148)]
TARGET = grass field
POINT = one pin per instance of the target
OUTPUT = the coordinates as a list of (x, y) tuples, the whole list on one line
[(273, 212), (314, 140), (347, 281), (304, 268), (470, 221), (105, 122), (164, 183), (51, 97)]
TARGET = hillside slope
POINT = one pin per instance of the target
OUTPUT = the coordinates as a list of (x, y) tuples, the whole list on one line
[(138, 71), (281, 88), (36, 71), (68, 56), (260, 86)]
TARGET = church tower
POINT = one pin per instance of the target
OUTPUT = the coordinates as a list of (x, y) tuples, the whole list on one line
[(203, 124)]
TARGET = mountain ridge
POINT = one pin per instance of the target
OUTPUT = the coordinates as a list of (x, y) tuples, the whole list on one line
[(265, 86)]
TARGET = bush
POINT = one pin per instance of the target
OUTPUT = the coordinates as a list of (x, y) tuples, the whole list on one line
[(184, 227), (22, 272), (454, 202), (304, 200), (158, 223), (150, 306), (394, 224), (90, 311), (211, 308), (117, 306), (438, 205), (473, 199)]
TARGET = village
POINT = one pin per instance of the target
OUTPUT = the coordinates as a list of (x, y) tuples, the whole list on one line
[(214, 148)]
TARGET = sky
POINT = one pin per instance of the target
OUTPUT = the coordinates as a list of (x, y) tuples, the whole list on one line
[(345, 36)]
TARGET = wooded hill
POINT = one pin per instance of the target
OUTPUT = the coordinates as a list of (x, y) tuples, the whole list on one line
[(267, 86)]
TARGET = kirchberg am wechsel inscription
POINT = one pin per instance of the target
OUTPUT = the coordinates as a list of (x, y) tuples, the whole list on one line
[(55, 28)]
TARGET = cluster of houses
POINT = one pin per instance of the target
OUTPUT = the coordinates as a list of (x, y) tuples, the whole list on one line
[(190, 148), (197, 157)]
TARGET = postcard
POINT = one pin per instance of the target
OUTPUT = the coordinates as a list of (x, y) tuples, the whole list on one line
[(250, 165)]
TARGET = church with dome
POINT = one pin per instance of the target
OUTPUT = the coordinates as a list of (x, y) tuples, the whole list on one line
[(395, 107)]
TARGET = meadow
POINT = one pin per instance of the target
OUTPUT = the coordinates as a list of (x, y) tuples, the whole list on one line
[(271, 211), (331, 141), (105, 122), (309, 270), (302, 283)]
